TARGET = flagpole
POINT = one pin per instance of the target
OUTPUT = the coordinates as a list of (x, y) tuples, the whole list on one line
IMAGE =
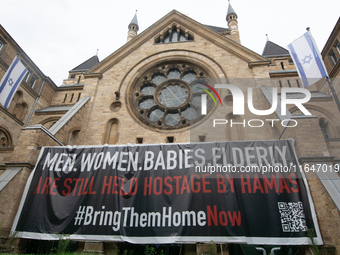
[(329, 83), (333, 92)]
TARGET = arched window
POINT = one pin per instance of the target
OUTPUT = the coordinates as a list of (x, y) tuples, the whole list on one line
[(18, 107), (74, 138), (112, 132), (175, 34), (5, 138), (20, 110), (16, 100), (49, 122), (325, 128), (168, 96)]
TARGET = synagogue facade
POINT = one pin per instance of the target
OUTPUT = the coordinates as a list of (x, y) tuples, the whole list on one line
[(144, 93)]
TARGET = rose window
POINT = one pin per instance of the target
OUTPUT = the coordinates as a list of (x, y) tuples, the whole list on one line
[(169, 96)]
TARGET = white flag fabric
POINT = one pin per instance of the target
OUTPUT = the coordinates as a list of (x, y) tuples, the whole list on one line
[(307, 59), (11, 81)]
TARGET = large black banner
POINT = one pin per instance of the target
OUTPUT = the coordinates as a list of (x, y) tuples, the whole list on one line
[(251, 192)]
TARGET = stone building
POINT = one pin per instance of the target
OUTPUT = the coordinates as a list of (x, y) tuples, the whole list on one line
[(114, 101)]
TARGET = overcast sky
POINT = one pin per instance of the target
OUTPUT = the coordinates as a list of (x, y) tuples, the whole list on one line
[(58, 35)]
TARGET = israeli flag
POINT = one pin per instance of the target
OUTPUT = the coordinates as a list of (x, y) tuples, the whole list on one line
[(11, 81), (307, 59)]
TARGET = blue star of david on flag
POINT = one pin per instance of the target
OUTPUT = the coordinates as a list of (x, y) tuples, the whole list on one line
[(10, 82), (307, 59)]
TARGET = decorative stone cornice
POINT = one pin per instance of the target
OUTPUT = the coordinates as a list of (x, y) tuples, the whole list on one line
[(19, 164), (252, 64), (93, 75)]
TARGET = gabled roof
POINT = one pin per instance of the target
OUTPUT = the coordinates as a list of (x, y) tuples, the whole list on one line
[(87, 65), (217, 29), (273, 50), (191, 25)]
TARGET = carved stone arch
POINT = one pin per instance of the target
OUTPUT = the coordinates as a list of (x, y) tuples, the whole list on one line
[(5, 138), (325, 128), (49, 122), (330, 120), (111, 133), (74, 136), (174, 25), (142, 69), (234, 132), (17, 99), (20, 110)]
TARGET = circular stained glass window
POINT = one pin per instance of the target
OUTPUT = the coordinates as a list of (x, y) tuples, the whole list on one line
[(169, 96)]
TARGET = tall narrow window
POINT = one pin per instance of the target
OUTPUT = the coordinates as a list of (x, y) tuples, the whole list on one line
[(65, 98), (71, 97), (112, 132), (27, 75), (298, 83), (78, 97), (32, 82), (282, 66), (334, 57), (1, 45)]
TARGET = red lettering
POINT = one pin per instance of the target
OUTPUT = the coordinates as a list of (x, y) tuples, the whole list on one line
[(197, 184), (185, 185), (76, 185), (106, 185), (212, 215), (122, 188), (270, 184), (147, 185), (81, 186), (67, 187), (84, 189), (204, 183), (283, 184), (295, 190), (133, 184), (177, 183), (243, 183), (257, 184), (231, 182), (91, 187), (37, 190), (115, 184), (235, 218), (220, 183), (168, 185), (46, 184), (224, 219), (54, 186), (155, 186)]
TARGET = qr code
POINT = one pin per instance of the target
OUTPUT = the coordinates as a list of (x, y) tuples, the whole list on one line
[(292, 216)]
